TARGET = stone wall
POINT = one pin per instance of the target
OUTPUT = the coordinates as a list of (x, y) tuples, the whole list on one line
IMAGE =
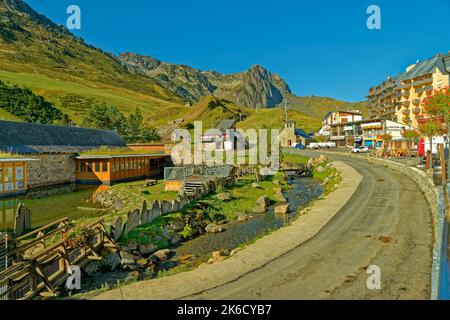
[(50, 170)]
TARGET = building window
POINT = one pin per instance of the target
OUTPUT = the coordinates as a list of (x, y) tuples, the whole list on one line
[(97, 167), (105, 167)]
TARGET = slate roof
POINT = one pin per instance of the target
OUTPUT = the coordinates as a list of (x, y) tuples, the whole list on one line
[(226, 124), (28, 138), (442, 62)]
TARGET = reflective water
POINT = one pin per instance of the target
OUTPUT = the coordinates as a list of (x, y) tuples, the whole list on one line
[(51, 204)]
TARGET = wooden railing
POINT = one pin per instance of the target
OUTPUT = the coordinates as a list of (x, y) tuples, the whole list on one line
[(40, 265)]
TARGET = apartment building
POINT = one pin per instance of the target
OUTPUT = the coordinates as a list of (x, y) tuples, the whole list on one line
[(400, 98), (338, 117)]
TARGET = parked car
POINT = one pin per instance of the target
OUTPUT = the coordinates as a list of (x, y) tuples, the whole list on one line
[(313, 145), (300, 146), (360, 150)]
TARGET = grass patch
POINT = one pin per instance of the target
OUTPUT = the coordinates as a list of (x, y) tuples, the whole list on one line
[(115, 151)]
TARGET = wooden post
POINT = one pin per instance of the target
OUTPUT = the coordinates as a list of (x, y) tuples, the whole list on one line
[(443, 163), (428, 160)]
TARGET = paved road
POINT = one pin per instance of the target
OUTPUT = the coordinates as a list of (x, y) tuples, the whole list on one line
[(386, 223)]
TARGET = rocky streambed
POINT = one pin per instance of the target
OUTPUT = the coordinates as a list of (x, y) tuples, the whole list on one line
[(200, 235)]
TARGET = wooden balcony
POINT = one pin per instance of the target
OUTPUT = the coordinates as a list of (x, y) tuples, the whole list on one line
[(416, 110), (406, 112), (416, 101)]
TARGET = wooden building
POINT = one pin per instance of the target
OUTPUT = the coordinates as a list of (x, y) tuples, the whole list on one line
[(110, 169), (13, 176)]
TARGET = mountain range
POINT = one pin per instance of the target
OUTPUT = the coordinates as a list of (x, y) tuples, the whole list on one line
[(46, 58)]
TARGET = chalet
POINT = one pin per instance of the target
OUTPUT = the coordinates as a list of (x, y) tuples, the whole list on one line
[(224, 137)]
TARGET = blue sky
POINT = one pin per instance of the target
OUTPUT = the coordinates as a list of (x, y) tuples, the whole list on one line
[(320, 48)]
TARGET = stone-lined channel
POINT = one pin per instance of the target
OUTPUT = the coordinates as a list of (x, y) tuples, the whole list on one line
[(302, 192)]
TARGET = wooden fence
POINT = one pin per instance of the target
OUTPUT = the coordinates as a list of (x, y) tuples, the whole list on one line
[(41, 259)]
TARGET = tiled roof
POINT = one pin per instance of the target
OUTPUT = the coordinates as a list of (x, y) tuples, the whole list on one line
[(20, 137)]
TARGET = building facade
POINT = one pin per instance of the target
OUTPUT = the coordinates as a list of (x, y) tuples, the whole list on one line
[(290, 136), (400, 98), (366, 132), (337, 118)]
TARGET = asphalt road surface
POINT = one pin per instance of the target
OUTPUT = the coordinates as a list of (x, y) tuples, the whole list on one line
[(387, 223)]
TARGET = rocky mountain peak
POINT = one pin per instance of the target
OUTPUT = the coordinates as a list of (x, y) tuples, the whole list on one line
[(255, 88)]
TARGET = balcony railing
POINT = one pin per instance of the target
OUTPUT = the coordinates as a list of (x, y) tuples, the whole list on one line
[(406, 103), (427, 88), (421, 82), (406, 119), (406, 112), (416, 110), (416, 101)]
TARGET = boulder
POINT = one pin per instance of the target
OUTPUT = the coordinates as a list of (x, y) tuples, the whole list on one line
[(321, 169), (131, 246), (175, 238), (255, 185), (177, 226), (280, 197), (242, 218), (127, 258), (214, 228), (146, 249), (276, 182), (259, 209), (282, 209), (91, 268), (110, 262), (310, 164), (163, 254), (217, 256), (263, 202), (224, 196)]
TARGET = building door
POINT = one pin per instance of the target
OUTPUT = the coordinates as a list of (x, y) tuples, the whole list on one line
[(289, 143)]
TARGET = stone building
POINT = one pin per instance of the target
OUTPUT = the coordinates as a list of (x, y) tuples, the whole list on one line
[(54, 148), (291, 135)]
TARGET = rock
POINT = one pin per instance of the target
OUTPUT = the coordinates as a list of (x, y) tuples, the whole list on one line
[(325, 181), (186, 257), (234, 251), (214, 228), (110, 262), (177, 226), (259, 209), (263, 202), (256, 185), (221, 222), (142, 262), (310, 164), (163, 254), (321, 169), (217, 256), (242, 218), (224, 196), (129, 246), (91, 268), (280, 197), (146, 249), (277, 190), (127, 258), (282, 209), (175, 238), (276, 182)]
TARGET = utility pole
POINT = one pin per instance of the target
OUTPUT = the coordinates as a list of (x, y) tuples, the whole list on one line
[(286, 111)]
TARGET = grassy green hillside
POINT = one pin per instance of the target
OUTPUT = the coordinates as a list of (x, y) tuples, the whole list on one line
[(269, 118), (5, 115), (74, 98), (317, 107)]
